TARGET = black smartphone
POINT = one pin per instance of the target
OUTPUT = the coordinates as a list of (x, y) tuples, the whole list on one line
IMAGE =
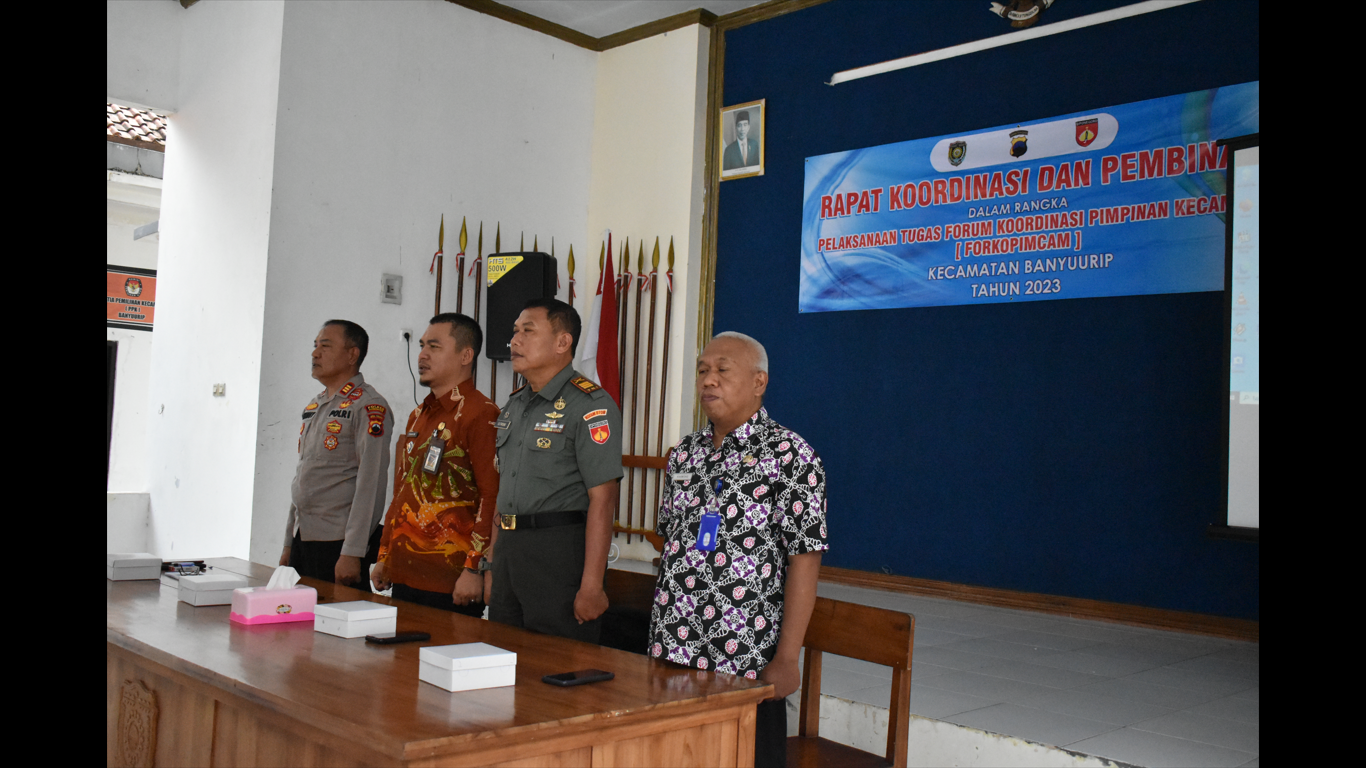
[(581, 677), (389, 638)]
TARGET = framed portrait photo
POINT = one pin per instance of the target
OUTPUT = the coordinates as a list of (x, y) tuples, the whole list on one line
[(742, 140)]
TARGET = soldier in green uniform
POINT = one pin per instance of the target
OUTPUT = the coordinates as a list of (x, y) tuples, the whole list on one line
[(559, 459)]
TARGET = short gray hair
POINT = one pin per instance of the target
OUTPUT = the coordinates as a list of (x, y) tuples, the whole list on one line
[(760, 354)]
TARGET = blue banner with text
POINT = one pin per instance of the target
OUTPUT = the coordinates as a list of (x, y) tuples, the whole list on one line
[(1120, 201)]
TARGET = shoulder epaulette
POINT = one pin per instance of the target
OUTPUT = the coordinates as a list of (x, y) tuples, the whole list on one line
[(584, 384)]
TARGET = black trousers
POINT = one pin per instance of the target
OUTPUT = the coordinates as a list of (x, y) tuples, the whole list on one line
[(770, 734), (440, 600), (536, 576), (318, 559)]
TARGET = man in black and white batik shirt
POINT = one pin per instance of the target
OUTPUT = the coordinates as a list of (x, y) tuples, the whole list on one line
[(743, 521)]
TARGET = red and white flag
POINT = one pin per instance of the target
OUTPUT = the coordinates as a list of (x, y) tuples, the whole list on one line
[(600, 341)]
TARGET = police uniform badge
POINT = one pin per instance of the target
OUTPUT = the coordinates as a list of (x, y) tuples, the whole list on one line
[(1087, 130), (1019, 143), (375, 413), (560, 404), (334, 427), (331, 442), (957, 151), (542, 442)]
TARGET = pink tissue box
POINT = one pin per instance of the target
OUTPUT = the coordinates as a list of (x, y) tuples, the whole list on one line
[(258, 605)]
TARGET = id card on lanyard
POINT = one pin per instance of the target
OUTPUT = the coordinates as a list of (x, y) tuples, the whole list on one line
[(711, 521)]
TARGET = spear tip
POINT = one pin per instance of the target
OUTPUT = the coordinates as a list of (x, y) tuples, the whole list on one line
[(441, 235), (671, 253), (654, 258), (464, 235)]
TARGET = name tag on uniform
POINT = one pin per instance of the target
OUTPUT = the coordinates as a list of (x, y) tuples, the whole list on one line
[(503, 423), (411, 434), (681, 477), (549, 426), (431, 464), (706, 532)]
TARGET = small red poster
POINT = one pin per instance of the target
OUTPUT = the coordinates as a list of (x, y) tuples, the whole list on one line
[(130, 299)]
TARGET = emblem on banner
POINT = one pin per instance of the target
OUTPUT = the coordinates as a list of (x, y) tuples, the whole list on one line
[(1021, 13), (957, 151), (1019, 143), (1087, 131), (132, 286)]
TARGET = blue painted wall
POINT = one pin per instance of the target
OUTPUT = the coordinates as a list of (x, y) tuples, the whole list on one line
[(1066, 447)]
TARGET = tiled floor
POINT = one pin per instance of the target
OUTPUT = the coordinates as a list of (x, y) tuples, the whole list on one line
[(1138, 696)]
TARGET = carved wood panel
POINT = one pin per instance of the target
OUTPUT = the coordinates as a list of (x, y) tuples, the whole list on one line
[(137, 729)]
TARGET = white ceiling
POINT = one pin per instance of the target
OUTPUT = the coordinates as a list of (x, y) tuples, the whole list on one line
[(600, 18)]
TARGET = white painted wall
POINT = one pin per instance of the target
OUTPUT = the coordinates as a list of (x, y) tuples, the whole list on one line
[(215, 222), (142, 53), (392, 114), (649, 137)]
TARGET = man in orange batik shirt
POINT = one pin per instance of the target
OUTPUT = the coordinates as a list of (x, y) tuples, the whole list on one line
[(438, 527)]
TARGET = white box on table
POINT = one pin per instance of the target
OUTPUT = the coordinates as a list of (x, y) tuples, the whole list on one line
[(131, 566), (467, 667), (357, 618), (210, 588)]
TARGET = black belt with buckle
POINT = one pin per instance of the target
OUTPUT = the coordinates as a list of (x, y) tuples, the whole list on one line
[(541, 520)]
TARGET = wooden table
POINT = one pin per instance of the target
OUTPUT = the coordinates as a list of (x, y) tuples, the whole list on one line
[(186, 686)]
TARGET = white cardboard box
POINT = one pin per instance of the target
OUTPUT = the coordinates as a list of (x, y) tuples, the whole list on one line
[(210, 588), (467, 667), (130, 566), (357, 618)]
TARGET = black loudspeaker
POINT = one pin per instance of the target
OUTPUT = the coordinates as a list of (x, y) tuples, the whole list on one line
[(513, 280)]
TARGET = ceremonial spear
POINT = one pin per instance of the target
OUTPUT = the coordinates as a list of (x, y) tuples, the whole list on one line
[(664, 362), (571, 275), (438, 260), (649, 372), (635, 381), (493, 365), (623, 297), (460, 265)]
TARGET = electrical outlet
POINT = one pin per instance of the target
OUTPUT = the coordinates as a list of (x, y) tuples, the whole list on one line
[(220, 390), (407, 334)]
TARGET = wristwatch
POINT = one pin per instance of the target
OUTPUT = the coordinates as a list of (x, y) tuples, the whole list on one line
[(485, 565)]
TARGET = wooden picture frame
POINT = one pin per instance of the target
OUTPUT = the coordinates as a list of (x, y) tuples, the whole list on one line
[(737, 160)]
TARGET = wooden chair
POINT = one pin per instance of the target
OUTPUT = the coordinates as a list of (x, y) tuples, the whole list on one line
[(861, 632)]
